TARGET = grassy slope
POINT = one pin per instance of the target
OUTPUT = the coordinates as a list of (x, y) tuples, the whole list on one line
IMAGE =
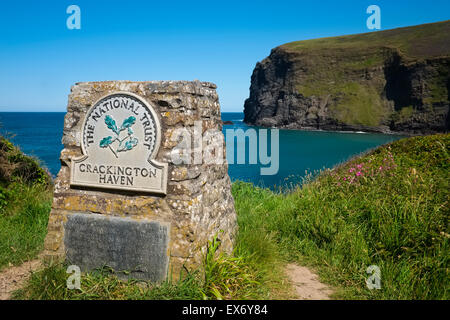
[(25, 200), (332, 64), (423, 41), (387, 208)]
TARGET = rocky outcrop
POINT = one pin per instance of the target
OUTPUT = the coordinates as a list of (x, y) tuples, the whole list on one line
[(389, 81)]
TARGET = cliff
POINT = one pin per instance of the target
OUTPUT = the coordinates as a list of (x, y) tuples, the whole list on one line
[(387, 81)]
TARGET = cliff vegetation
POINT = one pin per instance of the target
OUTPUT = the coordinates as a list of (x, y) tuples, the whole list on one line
[(386, 81), (25, 199)]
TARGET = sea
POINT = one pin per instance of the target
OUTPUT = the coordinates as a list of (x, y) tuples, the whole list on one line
[(301, 153)]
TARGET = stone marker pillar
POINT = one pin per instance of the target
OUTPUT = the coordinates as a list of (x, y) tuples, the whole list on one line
[(122, 197)]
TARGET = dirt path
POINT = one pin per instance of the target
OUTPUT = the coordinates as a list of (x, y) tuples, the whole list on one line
[(13, 278), (306, 284)]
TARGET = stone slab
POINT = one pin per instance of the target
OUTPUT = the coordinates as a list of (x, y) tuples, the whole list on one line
[(139, 247)]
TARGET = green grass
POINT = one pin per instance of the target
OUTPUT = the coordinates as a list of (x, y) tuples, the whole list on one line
[(23, 222), (242, 276), (388, 208), (420, 41), (50, 284), (25, 200), (395, 217)]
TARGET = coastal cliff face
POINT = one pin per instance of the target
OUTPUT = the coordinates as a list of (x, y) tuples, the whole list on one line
[(388, 81)]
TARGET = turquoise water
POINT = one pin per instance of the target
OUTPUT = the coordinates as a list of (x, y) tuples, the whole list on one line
[(40, 134), (302, 151)]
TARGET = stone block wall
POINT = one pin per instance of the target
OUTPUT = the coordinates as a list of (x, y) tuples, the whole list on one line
[(198, 203)]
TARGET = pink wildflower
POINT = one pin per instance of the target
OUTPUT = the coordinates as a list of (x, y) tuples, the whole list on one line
[(358, 173)]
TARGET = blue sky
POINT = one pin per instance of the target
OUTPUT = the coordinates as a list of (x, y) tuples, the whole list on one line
[(168, 40)]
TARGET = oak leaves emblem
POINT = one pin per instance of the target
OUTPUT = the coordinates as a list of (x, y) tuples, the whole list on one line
[(125, 144)]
